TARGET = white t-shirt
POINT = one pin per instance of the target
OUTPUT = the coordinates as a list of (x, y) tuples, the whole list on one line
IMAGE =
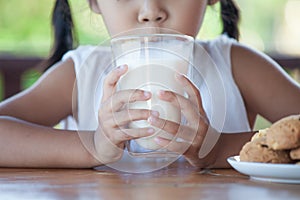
[(211, 73)]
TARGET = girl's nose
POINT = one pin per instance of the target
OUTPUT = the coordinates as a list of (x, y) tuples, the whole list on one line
[(151, 11)]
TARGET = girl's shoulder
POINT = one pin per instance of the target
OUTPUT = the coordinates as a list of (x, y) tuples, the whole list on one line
[(218, 50), (82, 52), (223, 43), (88, 54), (220, 42), (266, 88), (254, 73), (233, 51)]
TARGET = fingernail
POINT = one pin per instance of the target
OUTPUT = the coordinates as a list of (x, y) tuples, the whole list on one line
[(161, 92), (121, 68), (147, 94), (150, 130), (151, 119), (157, 140), (155, 113), (179, 76)]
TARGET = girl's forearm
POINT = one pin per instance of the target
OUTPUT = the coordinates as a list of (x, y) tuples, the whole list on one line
[(23, 144), (229, 144)]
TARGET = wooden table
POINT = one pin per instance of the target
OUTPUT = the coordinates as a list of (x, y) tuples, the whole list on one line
[(174, 182)]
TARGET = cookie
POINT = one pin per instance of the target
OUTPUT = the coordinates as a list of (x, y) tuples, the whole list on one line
[(257, 151), (284, 134), (295, 154), (260, 134)]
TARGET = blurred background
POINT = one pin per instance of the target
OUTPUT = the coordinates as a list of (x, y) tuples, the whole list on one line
[(270, 26), (25, 30)]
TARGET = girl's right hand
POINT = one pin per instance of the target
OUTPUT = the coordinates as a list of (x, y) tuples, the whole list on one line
[(113, 118)]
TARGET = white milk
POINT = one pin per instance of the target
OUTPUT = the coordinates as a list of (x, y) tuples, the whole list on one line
[(153, 73)]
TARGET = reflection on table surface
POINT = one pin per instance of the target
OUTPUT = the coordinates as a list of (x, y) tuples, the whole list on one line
[(177, 181)]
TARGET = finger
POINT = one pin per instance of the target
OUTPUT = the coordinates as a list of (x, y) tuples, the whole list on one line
[(173, 145), (191, 90), (121, 98), (126, 116), (124, 135), (187, 108), (168, 126), (110, 82), (178, 131)]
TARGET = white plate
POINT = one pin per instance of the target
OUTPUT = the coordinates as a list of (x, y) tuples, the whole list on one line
[(279, 173)]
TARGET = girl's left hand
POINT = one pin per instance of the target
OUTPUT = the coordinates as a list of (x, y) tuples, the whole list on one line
[(188, 138)]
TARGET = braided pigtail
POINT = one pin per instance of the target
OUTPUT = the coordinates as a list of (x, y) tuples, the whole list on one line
[(63, 28), (230, 17)]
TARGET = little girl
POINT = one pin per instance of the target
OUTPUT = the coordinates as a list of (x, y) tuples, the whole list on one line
[(252, 84)]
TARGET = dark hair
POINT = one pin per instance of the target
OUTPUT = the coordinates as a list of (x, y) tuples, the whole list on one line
[(230, 17), (63, 30)]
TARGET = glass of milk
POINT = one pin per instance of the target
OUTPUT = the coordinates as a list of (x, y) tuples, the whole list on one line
[(153, 60)]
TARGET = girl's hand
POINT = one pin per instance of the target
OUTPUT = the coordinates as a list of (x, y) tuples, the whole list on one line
[(187, 138), (113, 132)]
